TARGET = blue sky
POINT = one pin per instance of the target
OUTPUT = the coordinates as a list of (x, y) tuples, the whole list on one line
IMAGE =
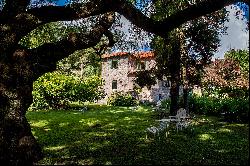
[(56, 2), (245, 9), (238, 36), (61, 2)]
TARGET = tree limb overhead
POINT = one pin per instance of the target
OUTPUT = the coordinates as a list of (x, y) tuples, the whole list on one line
[(13, 7), (45, 57), (127, 9)]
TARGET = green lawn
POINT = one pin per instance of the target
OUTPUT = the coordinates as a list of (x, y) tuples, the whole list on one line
[(116, 135)]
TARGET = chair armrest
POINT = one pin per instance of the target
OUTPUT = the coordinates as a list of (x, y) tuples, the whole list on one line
[(185, 117), (173, 119), (163, 120)]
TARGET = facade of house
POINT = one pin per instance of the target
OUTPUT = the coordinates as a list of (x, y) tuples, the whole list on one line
[(118, 73)]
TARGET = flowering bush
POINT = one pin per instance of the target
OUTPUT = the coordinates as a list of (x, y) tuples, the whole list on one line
[(224, 77)]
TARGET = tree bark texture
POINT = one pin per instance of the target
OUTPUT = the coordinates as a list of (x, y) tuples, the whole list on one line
[(185, 98), (19, 68), (175, 60), (17, 144)]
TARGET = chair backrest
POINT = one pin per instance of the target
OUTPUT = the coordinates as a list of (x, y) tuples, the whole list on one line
[(181, 113), (158, 104), (162, 125)]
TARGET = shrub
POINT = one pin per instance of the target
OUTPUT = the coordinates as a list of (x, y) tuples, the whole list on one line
[(203, 105), (232, 92), (166, 104), (233, 109), (121, 99), (58, 90), (236, 109), (146, 103)]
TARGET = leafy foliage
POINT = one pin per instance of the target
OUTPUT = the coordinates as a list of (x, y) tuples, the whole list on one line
[(224, 77), (200, 40), (49, 33), (166, 104), (82, 63), (225, 91), (242, 57), (187, 49), (121, 99), (145, 78), (233, 109), (57, 90)]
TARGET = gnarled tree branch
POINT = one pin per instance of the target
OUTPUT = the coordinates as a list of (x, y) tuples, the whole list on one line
[(45, 57), (38, 16), (13, 7), (133, 14)]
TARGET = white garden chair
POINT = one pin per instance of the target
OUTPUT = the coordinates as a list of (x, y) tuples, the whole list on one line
[(181, 119), (157, 107), (157, 130)]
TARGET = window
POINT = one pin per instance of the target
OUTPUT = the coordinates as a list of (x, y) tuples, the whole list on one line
[(160, 96), (166, 83), (143, 66), (114, 84), (140, 65), (114, 64)]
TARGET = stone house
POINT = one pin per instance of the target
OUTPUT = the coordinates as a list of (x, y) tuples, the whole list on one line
[(118, 73)]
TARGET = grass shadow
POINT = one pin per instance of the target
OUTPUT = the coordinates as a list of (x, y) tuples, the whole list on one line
[(116, 135)]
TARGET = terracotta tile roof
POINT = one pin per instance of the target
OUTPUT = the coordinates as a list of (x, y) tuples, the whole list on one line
[(115, 54), (141, 55), (146, 54)]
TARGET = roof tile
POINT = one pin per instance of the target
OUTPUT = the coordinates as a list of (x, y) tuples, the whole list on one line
[(141, 55)]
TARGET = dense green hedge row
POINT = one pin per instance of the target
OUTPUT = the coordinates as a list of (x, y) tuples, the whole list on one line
[(232, 109), (55, 90)]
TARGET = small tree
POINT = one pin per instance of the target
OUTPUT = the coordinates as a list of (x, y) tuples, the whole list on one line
[(225, 77), (242, 57)]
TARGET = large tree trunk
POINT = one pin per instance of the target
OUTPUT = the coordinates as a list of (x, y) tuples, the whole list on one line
[(185, 98), (19, 68), (174, 95), (17, 144), (175, 59)]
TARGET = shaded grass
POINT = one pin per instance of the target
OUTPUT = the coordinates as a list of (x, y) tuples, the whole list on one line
[(116, 135)]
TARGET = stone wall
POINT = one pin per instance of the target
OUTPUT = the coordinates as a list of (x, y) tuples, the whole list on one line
[(125, 79), (119, 74)]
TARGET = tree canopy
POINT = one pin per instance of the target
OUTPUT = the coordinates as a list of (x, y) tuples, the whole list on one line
[(242, 57)]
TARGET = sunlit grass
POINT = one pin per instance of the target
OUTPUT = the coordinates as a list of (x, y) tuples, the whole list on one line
[(116, 136), (224, 130), (205, 137), (40, 123)]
